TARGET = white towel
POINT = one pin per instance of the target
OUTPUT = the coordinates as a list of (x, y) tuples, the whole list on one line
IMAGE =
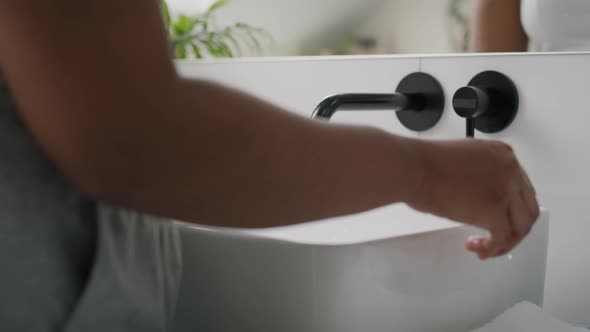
[(527, 317)]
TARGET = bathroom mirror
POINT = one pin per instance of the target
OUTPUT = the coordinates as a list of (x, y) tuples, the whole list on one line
[(344, 27)]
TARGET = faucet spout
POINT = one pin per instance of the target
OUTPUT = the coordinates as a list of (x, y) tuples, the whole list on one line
[(418, 102), (368, 102)]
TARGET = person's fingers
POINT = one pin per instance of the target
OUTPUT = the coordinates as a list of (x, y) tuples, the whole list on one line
[(527, 181), (505, 243), (501, 235), (487, 244), (482, 256), (524, 216), (519, 218), (529, 196), (476, 244)]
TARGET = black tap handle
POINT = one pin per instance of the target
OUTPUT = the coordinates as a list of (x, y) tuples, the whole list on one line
[(489, 103), (471, 102)]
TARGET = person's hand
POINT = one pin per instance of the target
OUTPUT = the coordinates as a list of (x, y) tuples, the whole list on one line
[(480, 183)]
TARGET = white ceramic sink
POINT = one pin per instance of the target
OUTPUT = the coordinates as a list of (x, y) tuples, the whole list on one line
[(392, 269), (550, 133)]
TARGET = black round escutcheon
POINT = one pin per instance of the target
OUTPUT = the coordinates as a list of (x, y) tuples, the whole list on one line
[(429, 106), (502, 101)]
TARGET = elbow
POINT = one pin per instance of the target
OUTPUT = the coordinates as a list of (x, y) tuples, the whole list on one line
[(104, 184), (100, 189)]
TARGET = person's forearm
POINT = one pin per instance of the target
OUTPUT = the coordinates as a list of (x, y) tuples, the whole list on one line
[(223, 158), (126, 130), (496, 27)]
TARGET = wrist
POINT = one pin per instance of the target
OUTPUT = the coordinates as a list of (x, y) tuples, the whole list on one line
[(416, 163)]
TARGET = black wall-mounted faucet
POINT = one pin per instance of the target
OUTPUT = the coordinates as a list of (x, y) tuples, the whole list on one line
[(367, 102), (418, 102), (489, 103)]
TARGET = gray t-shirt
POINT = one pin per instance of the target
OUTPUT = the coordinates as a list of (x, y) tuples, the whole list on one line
[(68, 263)]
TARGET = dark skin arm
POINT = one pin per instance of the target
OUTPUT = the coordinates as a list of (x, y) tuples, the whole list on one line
[(496, 27), (109, 108), (97, 88)]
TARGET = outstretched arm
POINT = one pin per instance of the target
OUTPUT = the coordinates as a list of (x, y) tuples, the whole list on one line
[(96, 86)]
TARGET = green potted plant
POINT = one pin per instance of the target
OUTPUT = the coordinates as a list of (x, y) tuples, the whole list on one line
[(198, 36)]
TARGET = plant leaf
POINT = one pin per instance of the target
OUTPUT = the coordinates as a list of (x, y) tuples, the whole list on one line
[(196, 51), (255, 41), (210, 47), (225, 49), (200, 34), (228, 35), (216, 5), (165, 13), (250, 33), (184, 25), (180, 51)]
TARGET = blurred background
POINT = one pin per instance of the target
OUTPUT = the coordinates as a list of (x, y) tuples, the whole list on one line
[(338, 27)]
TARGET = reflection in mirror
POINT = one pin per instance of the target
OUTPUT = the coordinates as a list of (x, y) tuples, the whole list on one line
[(534, 25), (347, 27), (342, 27)]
